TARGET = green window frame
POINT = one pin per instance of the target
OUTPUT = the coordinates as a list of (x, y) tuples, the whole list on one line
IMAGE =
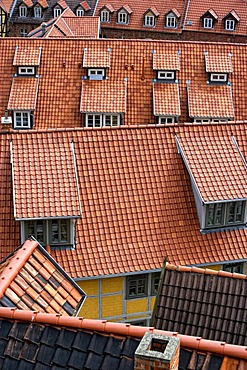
[(137, 286)]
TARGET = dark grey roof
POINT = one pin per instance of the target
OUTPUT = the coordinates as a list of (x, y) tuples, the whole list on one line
[(209, 305)]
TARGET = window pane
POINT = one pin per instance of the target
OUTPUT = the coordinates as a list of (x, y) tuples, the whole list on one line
[(18, 119), (90, 120), (25, 119), (141, 287), (107, 120), (97, 120), (64, 231), (132, 288), (218, 214), (114, 120), (40, 231), (54, 231), (30, 229)]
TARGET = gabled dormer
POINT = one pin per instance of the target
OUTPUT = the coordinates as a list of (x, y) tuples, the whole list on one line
[(231, 20), (58, 8), (123, 14), (166, 66), (218, 68), (96, 63), (23, 8), (106, 12), (172, 18), (82, 9), (150, 17), (209, 19), (218, 174), (37, 11)]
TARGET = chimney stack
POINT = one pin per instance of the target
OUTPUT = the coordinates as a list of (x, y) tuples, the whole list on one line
[(43, 27), (156, 352)]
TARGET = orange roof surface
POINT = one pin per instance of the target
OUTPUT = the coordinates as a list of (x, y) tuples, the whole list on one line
[(32, 280), (27, 56), (166, 99), (215, 165), (54, 193), (218, 63), (211, 101), (168, 62), (136, 197), (85, 5), (222, 9), (131, 59), (43, 3), (6, 5), (23, 94), (103, 96)]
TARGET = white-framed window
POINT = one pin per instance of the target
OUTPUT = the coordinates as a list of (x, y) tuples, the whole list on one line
[(22, 119), (166, 75), (55, 232), (57, 12), (225, 214), (38, 12), (207, 23), (23, 32), (219, 120), (218, 77), (80, 12), (102, 120), (22, 11), (105, 16), (166, 120), (230, 24), (171, 21), (149, 20), (122, 17), (26, 70), (96, 73)]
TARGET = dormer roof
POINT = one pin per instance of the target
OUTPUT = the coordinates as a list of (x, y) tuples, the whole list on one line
[(127, 8), (62, 3), (28, 3), (96, 58), (153, 10), (166, 100), (42, 3), (168, 62), (109, 7), (23, 93), (28, 56), (85, 6), (220, 63), (174, 11), (210, 12), (233, 14)]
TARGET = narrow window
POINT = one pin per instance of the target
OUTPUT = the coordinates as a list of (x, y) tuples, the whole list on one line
[(155, 283), (22, 11), (215, 214), (23, 32), (171, 21), (122, 17), (208, 23), (57, 12), (80, 12), (37, 12), (105, 16), (230, 25), (149, 20), (22, 119)]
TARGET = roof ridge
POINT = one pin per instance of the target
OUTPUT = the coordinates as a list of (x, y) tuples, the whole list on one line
[(17, 261), (206, 271), (123, 329)]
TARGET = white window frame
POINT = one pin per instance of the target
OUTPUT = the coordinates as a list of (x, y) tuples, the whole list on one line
[(38, 12), (23, 32), (166, 75), (96, 73), (201, 120), (149, 20), (57, 12), (23, 11), (21, 117), (26, 71), (105, 16), (102, 120), (171, 21), (218, 77), (230, 25), (219, 120), (122, 17), (80, 12), (166, 120), (208, 23)]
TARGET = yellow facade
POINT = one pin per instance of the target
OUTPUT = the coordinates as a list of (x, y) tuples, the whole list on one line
[(136, 305), (3, 22), (112, 305)]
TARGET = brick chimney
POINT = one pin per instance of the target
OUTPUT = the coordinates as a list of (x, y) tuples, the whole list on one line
[(157, 351)]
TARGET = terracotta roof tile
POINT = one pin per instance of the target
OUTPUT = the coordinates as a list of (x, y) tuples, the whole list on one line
[(29, 3), (54, 194), (218, 63), (234, 14), (216, 166), (6, 5), (210, 101), (175, 12), (43, 3), (62, 4), (127, 8), (95, 58), (23, 94), (109, 7), (166, 99), (21, 284), (168, 62), (103, 96), (154, 10), (28, 56), (85, 5), (212, 12)]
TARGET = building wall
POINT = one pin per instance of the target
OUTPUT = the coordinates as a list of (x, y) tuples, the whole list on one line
[(16, 29), (3, 23)]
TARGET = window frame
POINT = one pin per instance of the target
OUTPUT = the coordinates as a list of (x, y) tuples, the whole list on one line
[(216, 77), (20, 114), (25, 71), (166, 118), (80, 12), (102, 119), (35, 10), (171, 17), (23, 32), (147, 20), (99, 72), (234, 267), (57, 11), (166, 73), (22, 10), (225, 211), (229, 22), (122, 13), (105, 16), (136, 279), (206, 22)]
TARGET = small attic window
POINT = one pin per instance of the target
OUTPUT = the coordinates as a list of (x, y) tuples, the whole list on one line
[(23, 11), (149, 20), (80, 12), (57, 12), (207, 23), (122, 17), (105, 15), (26, 71), (166, 75), (38, 12), (166, 120), (171, 21), (225, 214), (230, 24), (96, 73), (22, 119), (218, 77)]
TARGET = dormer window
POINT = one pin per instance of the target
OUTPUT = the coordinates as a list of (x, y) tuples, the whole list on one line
[(149, 20), (171, 21), (26, 71), (22, 11), (218, 77), (37, 12), (230, 24), (22, 119), (57, 12), (166, 120), (166, 75), (208, 23), (105, 15), (122, 17), (96, 73), (224, 214), (102, 120), (80, 12)]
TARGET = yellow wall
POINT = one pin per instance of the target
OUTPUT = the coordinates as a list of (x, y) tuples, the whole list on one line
[(215, 267), (3, 17)]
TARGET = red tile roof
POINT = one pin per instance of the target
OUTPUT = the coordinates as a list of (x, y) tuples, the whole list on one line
[(96, 58), (29, 56), (43, 3), (6, 5), (62, 4), (32, 280), (29, 3), (210, 101), (52, 194), (166, 99), (215, 165), (23, 94), (154, 10), (103, 96), (85, 6), (168, 62), (218, 63)]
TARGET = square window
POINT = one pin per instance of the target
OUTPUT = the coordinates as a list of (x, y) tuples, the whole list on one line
[(22, 119), (136, 286)]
